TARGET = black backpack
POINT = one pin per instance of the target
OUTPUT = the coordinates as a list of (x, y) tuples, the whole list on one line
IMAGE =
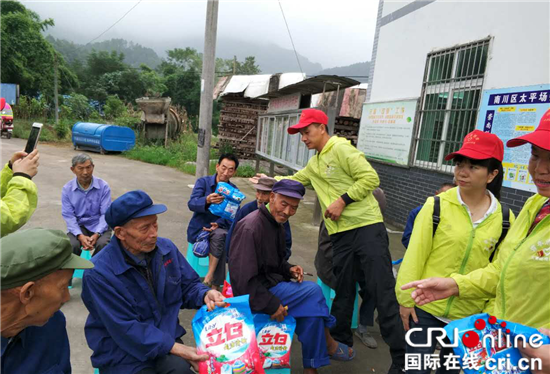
[(505, 222)]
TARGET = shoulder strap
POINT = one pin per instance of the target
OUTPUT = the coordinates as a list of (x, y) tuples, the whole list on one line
[(436, 214), (505, 228)]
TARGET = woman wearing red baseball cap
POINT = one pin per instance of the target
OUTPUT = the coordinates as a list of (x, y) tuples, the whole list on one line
[(520, 277), (470, 226)]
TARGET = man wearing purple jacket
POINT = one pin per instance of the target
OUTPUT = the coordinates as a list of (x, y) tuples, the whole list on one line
[(84, 201)]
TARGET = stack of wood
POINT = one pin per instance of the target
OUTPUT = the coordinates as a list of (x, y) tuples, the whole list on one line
[(238, 123), (347, 127)]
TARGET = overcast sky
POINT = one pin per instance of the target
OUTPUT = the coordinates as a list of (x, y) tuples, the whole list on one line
[(333, 33)]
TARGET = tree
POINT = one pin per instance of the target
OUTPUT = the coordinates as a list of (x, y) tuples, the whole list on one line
[(153, 82), (248, 67), (114, 107), (188, 59), (103, 62), (181, 73), (27, 57)]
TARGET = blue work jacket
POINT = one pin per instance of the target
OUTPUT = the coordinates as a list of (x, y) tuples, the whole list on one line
[(131, 323), (409, 226), (197, 203), (38, 349), (246, 210)]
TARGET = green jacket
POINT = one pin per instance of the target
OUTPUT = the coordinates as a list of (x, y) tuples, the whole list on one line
[(456, 247), (520, 276), (19, 200), (338, 169)]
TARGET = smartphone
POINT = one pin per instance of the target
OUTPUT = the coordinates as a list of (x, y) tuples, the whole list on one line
[(33, 137)]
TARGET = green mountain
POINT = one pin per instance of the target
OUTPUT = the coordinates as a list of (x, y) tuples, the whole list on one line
[(358, 71), (134, 54)]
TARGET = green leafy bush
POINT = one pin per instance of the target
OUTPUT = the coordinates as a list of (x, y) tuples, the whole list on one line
[(78, 107), (114, 107)]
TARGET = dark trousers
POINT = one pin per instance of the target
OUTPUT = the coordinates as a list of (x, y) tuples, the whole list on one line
[(323, 266), (103, 240), (217, 249), (426, 320), (368, 248), (368, 304), (169, 364)]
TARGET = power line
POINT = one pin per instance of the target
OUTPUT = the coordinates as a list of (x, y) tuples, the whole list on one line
[(113, 25), (290, 35)]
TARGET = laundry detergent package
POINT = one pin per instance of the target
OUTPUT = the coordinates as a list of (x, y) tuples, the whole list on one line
[(228, 337), (483, 340), (226, 209), (274, 340), (230, 192), (227, 290), (230, 205)]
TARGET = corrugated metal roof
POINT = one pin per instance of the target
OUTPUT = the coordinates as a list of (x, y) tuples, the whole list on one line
[(253, 86), (313, 85)]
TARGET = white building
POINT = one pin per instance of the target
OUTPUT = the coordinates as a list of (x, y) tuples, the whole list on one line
[(436, 64)]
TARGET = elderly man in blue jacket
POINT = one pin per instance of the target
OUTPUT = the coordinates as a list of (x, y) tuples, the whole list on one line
[(134, 294), (202, 197)]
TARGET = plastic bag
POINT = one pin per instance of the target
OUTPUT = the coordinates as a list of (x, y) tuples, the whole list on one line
[(227, 291), (228, 337), (230, 192), (274, 340), (230, 205), (486, 339), (226, 209), (201, 247)]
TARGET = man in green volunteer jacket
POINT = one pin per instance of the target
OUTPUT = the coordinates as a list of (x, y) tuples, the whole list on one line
[(344, 181), (18, 191)]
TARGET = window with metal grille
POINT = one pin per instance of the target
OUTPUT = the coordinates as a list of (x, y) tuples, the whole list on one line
[(451, 93)]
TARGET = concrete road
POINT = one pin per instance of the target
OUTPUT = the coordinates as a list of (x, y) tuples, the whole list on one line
[(170, 187)]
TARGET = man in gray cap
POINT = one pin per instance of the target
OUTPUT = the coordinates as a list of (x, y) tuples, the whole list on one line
[(135, 292), (263, 188), (37, 265), (258, 268)]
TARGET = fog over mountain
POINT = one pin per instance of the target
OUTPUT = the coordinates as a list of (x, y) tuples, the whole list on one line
[(326, 34)]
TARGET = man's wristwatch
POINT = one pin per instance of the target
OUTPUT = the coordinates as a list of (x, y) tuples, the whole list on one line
[(98, 235)]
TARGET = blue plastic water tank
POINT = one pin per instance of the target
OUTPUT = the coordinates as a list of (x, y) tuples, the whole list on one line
[(101, 138)]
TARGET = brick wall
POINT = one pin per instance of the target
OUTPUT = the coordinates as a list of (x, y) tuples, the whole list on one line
[(406, 189)]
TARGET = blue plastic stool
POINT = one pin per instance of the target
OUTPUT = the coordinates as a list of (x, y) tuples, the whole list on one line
[(78, 273), (330, 294), (200, 265)]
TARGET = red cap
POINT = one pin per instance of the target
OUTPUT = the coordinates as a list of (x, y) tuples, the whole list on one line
[(308, 117), (479, 145), (540, 137)]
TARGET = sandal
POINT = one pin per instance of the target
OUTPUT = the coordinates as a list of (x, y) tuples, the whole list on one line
[(342, 353)]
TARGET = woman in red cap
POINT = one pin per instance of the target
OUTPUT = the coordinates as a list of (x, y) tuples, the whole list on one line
[(520, 276), (470, 226)]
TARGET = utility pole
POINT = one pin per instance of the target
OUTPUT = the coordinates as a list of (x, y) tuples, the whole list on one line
[(234, 65), (207, 89), (55, 96)]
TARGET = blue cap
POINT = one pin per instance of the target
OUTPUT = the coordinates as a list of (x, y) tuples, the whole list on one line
[(133, 204), (290, 188)]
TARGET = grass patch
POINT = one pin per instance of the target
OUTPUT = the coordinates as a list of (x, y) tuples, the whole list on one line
[(176, 155), (22, 129), (181, 155)]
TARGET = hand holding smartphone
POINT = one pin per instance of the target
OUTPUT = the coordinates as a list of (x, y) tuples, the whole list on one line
[(32, 141)]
